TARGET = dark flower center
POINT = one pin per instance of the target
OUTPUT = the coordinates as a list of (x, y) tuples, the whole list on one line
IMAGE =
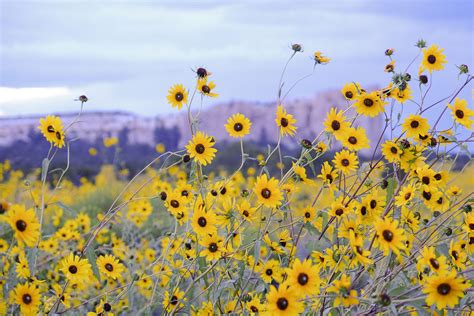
[(339, 212), (202, 221), (201, 72), (26, 298), (394, 150), (174, 300), (455, 254), (368, 102), (266, 193), (352, 140), (427, 195), (107, 307), (303, 278), (206, 89), (179, 96), (425, 180), (21, 225), (246, 213), (349, 94), (431, 59), (307, 214), (213, 247), (414, 124), (407, 196), (254, 309), (373, 204), (109, 267), (329, 178), (345, 162), (459, 114), (58, 135), (238, 127), (200, 148), (387, 235), (174, 203), (434, 263), (363, 210), (73, 269), (282, 303), (335, 125), (444, 288), (50, 129), (284, 122), (269, 272), (437, 176)]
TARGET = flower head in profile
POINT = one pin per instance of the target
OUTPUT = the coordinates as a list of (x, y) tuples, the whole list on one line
[(319, 58), (206, 87)]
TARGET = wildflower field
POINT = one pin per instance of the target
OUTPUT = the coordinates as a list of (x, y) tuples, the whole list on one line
[(278, 235)]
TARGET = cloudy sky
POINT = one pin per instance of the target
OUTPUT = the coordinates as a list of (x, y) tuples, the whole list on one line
[(124, 55)]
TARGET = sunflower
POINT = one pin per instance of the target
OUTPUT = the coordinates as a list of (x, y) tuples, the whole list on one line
[(405, 195), (320, 59), (176, 202), (433, 59), (75, 269), (28, 297), (369, 104), (238, 125), (328, 174), (206, 88), (213, 247), (391, 151), (335, 123), (351, 90), (429, 259), (415, 125), (174, 301), (203, 222), (444, 290), (345, 295), (247, 212), (457, 254), (401, 95), (49, 126), (109, 266), (267, 191), (300, 174), (25, 225), (285, 122), (201, 148), (461, 113), (338, 208), (283, 301), (177, 96), (271, 271), (355, 139), (304, 277), (345, 161), (389, 236)]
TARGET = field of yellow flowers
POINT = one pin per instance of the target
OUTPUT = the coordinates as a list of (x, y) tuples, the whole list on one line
[(392, 235)]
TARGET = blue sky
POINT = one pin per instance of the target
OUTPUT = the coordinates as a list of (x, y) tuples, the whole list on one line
[(125, 54)]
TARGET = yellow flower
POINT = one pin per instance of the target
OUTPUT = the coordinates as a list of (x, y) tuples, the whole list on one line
[(28, 297), (389, 236), (75, 269), (320, 59), (110, 141), (160, 148), (345, 161), (25, 225), (213, 247), (203, 222), (369, 104), (433, 59), (201, 148), (206, 88), (355, 139), (283, 301), (401, 95), (335, 123), (93, 151), (52, 129), (174, 302), (238, 125), (345, 295), (444, 290), (415, 125), (177, 96), (461, 113), (267, 191), (285, 122), (351, 90), (109, 266), (304, 277)]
